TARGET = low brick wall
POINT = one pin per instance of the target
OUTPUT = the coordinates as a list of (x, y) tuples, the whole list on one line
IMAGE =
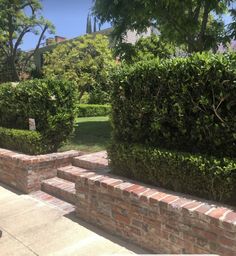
[(156, 219), (25, 172)]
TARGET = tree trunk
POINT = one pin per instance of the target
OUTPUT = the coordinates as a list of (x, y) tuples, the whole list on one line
[(14, 73)]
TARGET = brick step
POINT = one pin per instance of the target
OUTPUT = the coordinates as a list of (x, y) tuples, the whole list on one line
[(95, 161), (71, 173), (60, 188), (49, 199)]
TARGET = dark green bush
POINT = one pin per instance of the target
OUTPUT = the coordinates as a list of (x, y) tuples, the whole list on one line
[(199, 175), (87, 110), (163, 108), (28, 142), (186, 104), (52, 103)]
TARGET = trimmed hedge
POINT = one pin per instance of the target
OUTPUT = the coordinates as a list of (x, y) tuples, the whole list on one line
[(52, 103), (89, 110), (198, 175), (174, 124), (28, 142), (187, 104)]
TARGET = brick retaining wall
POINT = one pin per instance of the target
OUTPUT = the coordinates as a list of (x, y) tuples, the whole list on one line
[(156, 219), (25, 172)]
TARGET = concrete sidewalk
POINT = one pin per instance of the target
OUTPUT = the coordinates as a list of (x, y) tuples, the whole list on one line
[(32, 227)]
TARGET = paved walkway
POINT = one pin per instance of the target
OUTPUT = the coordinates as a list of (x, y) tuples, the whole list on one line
[(33, 227)]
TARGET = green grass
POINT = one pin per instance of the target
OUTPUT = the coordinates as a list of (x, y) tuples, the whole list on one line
[(91, 134)]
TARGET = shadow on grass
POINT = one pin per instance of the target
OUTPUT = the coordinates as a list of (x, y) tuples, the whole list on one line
[(90, 135)]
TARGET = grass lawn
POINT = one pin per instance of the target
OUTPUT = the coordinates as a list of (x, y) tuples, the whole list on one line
[(91, 134)]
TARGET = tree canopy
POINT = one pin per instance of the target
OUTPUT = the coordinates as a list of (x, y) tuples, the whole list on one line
[(196, 24), (18, 18), (144, 49), (85, 61)]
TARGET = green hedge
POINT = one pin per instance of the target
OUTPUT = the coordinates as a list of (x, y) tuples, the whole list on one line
[(88, 110), (51, 103), (162, 108), (198, 175), (28, 142), (187, 104)]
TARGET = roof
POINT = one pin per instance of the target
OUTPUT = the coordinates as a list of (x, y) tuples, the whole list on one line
[(106, 31)]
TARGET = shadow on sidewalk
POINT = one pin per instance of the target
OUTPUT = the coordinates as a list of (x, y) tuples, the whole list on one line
[(113, 238)]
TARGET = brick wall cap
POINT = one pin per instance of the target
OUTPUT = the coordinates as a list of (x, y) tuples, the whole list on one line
[(149, 195), (38, 158)]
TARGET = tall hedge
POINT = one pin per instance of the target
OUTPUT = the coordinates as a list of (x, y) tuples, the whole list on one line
[(174, 124), (52, 103), (187, 104)]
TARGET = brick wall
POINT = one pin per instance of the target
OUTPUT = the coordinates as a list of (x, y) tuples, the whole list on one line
[(25, 172), (156, 219)]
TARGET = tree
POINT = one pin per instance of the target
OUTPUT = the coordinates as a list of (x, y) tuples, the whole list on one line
[(232, 25), (86, 61), (94, 24), (17, 19), (89, 25), (196, 24), (145, 49)]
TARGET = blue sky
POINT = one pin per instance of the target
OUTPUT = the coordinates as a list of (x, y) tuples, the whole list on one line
[(68, 16)]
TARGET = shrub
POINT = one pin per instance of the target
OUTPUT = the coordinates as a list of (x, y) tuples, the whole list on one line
[(51, 103), (146, 48), (187, 104), (199, 175), (28, 142), (87, 61), (174, 124), (87, 110)]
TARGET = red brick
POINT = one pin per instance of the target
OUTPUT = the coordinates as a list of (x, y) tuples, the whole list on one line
[(226, 251), (192, 205), (203, 208), (145, 221), (180, 202), (98, 181), (156, 197), (128, 190), (230, 217), (121, 218), (169, 199), (138, 191), (228, 242), (28, 171), (145, 196), (112, 185), (218, 212)]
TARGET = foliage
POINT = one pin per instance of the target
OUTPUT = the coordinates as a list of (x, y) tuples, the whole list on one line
[(87, 110), (232, 26), (198, 25), (17, 19), (24, 70), (28, 142), (145, 49), (187, 104), (89, 25), (51, 103), (86, 61), (197, 175), (89, 29)]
